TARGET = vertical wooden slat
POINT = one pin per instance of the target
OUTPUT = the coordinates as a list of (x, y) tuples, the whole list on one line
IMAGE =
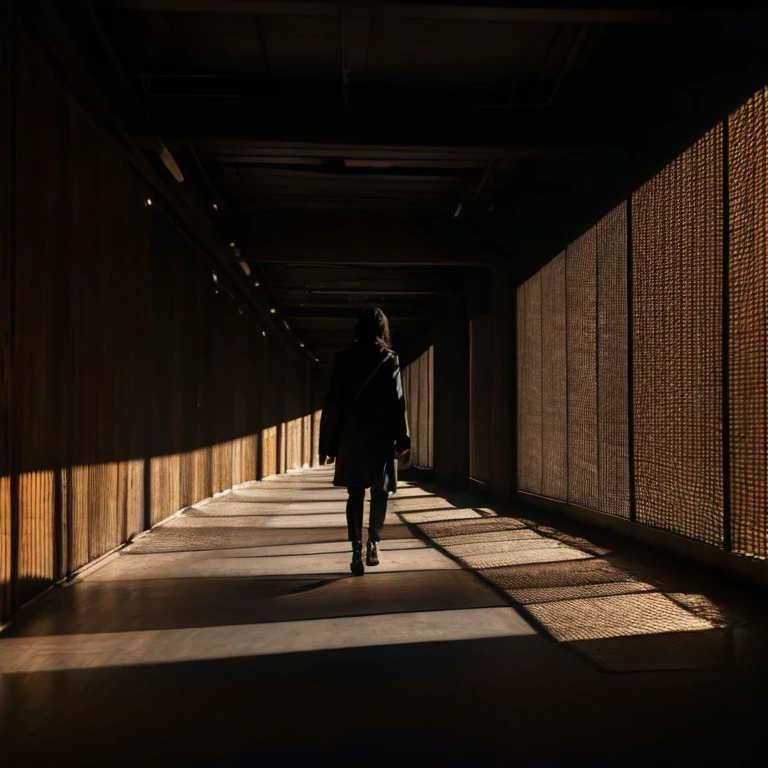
[(6, 303), (39, 345)]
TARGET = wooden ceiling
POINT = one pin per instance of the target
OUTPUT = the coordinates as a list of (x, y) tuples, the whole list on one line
[(386, 152)]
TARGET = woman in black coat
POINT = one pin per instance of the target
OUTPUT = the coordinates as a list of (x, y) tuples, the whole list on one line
[(364, 427)]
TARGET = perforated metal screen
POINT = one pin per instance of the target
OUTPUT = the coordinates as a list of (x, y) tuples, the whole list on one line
[(747, 173), (677, 290)]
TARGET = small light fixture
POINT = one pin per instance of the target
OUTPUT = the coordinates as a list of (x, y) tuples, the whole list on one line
[(256, 283), (263, 333), (170, 164), (301, 344), (232, 245), (148, 202), (215, 207), (272, 310)]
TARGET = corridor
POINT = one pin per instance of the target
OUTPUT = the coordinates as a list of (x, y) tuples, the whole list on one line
[(558, 217), (234, 634)]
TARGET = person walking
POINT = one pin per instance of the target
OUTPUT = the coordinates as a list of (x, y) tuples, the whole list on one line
[(364, 428)]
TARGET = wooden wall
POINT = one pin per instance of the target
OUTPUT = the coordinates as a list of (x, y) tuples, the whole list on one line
[(131, 383)]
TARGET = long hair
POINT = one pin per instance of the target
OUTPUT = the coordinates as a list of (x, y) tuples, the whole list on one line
[(373, 328)]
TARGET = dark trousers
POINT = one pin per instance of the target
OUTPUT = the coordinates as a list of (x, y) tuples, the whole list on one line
[(355, 504)]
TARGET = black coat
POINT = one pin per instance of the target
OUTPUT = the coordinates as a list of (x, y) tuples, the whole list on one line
[(364, 434)]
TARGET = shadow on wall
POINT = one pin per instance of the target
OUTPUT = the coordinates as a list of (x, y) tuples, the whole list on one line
[(131, 382)]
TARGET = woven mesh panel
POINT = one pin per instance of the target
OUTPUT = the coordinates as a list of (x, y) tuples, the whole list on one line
[(581, 291), (612, 402), (480, 405), (747, 171), (431, 408), (677, 330), (553, 381), (529, 385)]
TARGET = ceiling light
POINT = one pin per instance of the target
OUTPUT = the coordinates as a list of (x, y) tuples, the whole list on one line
[(301, 344), (231, 245), (171, 165), (215, 207), (148, 202), (256, 283), (272, 310), (263, 333)]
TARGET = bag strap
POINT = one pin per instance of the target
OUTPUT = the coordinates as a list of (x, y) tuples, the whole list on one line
[(368, 380)]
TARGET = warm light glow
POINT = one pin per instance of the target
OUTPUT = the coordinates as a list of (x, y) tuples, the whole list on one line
[(158, 646), (272, 310), (215, 207), (148, 201), (244, 266), (301, 344), (257, 283)]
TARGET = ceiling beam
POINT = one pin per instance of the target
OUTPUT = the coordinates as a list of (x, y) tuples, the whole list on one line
[(499, 12), (323, 312), (235, 150), (518, 130), (342, 238), (363, 292)]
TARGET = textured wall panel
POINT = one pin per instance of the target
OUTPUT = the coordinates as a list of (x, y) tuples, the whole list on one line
[(269, 451), (581, 299), (529, 402), (423, 456), (6, 198), (748, 363), (677, 327), (479, 400), (316, 417), (40, 318), (612, 382), (418, 388), (554, 381)]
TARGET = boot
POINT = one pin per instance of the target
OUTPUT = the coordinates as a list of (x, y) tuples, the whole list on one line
[(371, 553), (356, 566)]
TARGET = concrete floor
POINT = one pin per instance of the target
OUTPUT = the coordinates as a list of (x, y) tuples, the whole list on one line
[(235, 635)]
